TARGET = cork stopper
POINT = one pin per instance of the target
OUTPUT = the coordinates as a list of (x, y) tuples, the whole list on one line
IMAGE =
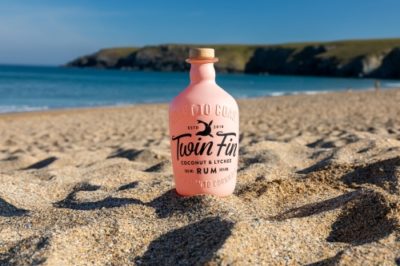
[(201, 55)]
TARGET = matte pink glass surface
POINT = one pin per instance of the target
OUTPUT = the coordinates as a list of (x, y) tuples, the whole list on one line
[(204, 133)]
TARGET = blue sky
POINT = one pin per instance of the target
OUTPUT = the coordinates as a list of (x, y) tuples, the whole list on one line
[(54, 32)]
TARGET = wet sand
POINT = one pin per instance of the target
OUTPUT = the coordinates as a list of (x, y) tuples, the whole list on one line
[(318, 184)]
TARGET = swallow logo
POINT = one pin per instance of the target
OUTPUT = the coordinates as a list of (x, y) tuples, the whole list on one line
[(207, 129)]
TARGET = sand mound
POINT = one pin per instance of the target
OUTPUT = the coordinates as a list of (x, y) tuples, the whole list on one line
[(364, 219)]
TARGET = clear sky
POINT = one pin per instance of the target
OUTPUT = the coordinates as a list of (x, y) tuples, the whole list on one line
[(53, 32)]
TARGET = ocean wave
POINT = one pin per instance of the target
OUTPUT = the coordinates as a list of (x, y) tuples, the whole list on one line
[(317, 92), (283, 93), (392, 84), (91, 104), (21, 108), (277, 93)]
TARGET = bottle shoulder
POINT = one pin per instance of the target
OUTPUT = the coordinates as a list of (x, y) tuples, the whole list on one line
[(203, 92)]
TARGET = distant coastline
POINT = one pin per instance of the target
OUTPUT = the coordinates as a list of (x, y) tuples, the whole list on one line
[(378, 58)]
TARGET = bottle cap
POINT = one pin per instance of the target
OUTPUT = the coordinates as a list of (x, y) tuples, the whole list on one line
[(196, 54)]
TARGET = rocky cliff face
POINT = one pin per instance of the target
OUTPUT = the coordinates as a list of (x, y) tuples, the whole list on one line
[(289, 61), (389, 66), (105, 58), (157, 58), (233, 58), (376, 58), (311, 60)]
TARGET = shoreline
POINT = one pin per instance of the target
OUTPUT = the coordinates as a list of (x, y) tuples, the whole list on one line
[(118, 107)]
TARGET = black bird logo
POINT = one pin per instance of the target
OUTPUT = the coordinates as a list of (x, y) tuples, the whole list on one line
[(207, 129)]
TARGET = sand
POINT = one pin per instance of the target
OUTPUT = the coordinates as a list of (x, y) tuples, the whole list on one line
[(318, 184)]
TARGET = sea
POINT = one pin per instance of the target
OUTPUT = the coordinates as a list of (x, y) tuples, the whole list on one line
[(32, 88)]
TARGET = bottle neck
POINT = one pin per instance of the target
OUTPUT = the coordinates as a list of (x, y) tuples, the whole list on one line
[(202, 72)]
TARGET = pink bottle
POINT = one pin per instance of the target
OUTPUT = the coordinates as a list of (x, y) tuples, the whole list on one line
[(204, 132)]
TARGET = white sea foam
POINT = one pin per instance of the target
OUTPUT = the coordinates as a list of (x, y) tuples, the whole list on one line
[(20, 108), (316, 92), (392, 84), (277, 93), (282, 93)]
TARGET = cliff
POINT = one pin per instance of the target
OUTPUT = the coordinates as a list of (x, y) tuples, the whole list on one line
[(233, 58), (361, 58)]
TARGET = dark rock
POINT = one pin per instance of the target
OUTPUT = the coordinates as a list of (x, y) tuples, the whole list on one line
[(269, 60), (390, 67), (157, 58)]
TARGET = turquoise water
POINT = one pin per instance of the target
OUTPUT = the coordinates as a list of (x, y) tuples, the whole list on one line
[(28, 88)]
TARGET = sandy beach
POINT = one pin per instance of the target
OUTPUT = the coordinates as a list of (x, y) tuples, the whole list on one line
[(318, 184)]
